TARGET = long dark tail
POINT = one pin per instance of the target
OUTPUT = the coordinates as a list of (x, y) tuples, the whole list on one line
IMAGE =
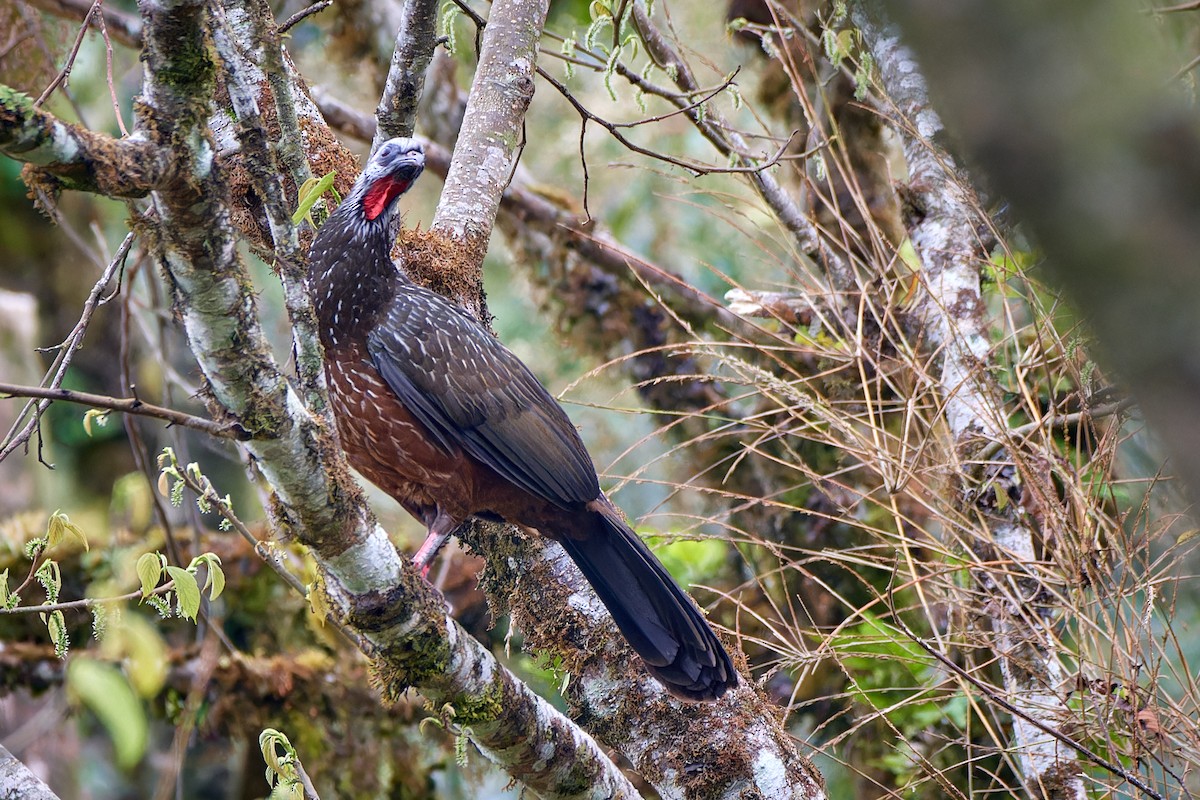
[(659, 620)]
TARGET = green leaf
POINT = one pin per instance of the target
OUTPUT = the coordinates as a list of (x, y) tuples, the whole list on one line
[(187, 590), (149, 572), (59, 527), (105, 691), (216, 576), (4, 589), (310, 193)]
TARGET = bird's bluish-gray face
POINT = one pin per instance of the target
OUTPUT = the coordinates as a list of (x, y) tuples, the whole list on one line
[(389, 174)]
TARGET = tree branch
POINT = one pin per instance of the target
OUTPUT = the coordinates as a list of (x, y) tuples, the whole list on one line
[(415, 42), (18, 783), (70, 157), (484, 154), (128, 405)]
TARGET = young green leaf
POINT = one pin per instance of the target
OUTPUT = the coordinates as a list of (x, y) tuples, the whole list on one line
[(310, 193), (186, 590), (59, 527), (149, 571)]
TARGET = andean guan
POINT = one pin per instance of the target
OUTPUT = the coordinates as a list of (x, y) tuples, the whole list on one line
[(435, 411)]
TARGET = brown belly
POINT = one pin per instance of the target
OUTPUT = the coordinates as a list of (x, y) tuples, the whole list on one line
[(394, 451), (385, 443)]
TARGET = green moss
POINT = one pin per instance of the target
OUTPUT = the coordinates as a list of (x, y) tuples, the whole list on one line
[(487, 707), (12, 100)]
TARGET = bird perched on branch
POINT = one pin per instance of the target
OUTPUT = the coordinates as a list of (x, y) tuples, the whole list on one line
[(436, 412)]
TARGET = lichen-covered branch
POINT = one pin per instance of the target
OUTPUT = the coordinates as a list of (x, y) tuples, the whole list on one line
[(18, 783), (68, 156), (949, 314), (415, 43), (490, 136)]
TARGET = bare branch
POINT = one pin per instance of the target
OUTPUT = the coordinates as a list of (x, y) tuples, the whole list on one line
[(127, 405), (126, 28), (66, 354), (729, 142)]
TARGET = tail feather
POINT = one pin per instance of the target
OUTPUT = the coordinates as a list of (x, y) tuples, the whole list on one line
[(658, 619)]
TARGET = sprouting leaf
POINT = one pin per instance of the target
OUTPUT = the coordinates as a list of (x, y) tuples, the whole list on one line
[(149, 571), (4, 589), (310, 193), (186, 590), (105, 691), (215, 583), (59, 527), (55, 529), (282, 773), (97, 415)]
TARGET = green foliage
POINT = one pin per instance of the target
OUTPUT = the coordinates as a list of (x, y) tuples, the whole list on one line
[(691, 561), (104, 690), (893, 674)]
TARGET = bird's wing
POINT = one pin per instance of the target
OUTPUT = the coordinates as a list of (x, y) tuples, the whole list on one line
[(471, 391)]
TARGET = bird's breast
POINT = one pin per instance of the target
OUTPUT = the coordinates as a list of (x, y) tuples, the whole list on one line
[(382, 440)]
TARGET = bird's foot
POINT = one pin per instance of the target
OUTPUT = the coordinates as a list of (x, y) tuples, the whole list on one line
[(439, 531)]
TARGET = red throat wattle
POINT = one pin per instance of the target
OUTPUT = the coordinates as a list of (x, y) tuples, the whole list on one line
[(381, 193)]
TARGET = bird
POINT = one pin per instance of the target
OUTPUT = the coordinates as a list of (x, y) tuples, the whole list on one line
[(435, 411)]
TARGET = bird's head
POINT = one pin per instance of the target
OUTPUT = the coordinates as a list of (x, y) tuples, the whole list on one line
[(396, 164)]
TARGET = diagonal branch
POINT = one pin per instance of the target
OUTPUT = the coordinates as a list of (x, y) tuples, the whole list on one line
[(17, 781), (950, 315)]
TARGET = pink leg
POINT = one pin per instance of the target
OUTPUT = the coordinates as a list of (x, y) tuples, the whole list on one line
[(439, 531)]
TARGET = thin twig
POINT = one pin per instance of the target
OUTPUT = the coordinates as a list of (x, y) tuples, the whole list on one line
[(128, 405), (87, 602), (998, 699), (66, 70), (67, 350), (304, 13), (108, 72)]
